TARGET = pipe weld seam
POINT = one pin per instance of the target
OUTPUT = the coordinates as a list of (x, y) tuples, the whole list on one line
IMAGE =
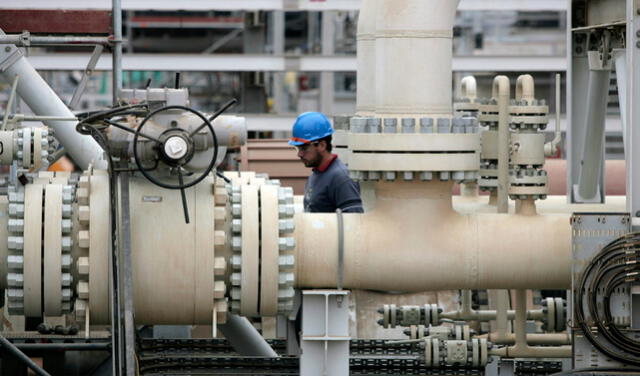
[(366, 36), (411, 34)]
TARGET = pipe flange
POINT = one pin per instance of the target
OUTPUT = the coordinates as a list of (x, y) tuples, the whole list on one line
[(223, 222), (15, 254), (286, 247)]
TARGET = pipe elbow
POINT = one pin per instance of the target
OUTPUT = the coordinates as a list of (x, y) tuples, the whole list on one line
[(500, 87), (525, 87), (469, 87)]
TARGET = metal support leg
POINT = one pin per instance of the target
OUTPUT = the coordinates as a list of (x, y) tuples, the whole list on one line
[(127, 278), (633, 112), (88, 71), (325, 333)]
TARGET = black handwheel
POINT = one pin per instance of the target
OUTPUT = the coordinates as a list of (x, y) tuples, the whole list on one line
[(182, 140)]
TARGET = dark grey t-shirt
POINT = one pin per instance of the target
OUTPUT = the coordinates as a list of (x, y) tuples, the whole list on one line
[(331, 189)]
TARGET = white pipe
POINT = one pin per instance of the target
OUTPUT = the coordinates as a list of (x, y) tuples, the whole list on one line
[(366, 76), (396, 247), (525, 88), (501, 92), (550, 147), (413, 58), (42, 100), (469, 91)]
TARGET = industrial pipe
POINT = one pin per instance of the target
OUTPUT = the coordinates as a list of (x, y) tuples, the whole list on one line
[(27, 40), (413, 58), (13, 350), (469, 88), (535, 339), (245, 338), (501, 92), (366, 59), (432, 252), (551, 147), (116, 10), (620, 60), (521, 349), (40, 98), (593, 143)]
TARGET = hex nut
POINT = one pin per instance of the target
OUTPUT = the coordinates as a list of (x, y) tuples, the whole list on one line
[(235, 306), (286, 225), (235, 293), (219, 266), (286, 279), (16, 210), (15, 242), (15, 225), (67, 243), (84, 215), (15, 262), (67, 226), (236, 279), (16, 196), (236, 243), (236, 210), (220, 214), (82, 289), (15, 279), (67, 211), (83, 265), (80, 308), (286, 293), (286, 210), (65, 261), (83, 239), (236, 226), (286, 261), (15, 294), (67, 279), (66, 295), (236, 262), (67, 194), (83, 196), (219, 289), (221, 196), (286, 244)]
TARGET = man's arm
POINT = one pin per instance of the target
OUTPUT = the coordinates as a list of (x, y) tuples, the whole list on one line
[(347, 195)]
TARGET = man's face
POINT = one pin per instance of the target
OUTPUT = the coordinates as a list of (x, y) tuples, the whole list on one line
[(310, 154)]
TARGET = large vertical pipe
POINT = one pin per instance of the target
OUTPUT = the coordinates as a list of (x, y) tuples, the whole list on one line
[(43, 101), (501, 92), (596, 109), (366, 76), (117, 49), (413, 58)]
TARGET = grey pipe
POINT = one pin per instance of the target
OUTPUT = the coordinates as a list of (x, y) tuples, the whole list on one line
[(596, 107), (26, 40), (244, 338), (620, 59), (117, 49), (10, 347)]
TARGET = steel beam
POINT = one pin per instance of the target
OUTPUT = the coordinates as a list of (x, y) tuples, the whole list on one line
[(269, 63), (287, 5), (633, 112)]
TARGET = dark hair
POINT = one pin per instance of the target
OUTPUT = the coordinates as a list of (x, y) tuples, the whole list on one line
[(327, 140)]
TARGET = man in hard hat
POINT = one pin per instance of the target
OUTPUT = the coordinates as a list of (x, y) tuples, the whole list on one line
[(329, 187)]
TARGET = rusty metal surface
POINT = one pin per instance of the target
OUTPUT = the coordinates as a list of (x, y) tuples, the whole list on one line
[(56, 21), (276, 158)]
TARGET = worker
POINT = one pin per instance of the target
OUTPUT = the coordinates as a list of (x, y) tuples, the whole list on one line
[(329, 187)]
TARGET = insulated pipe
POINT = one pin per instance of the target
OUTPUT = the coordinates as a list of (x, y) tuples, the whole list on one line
[(366, 48), (501, 92), (396, 247), (42, 100), (413, 58), (596, 107), (244, 338)]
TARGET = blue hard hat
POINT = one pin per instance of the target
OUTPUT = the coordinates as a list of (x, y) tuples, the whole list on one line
[(310, 126)]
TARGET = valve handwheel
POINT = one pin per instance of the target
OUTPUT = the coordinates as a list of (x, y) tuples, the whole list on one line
[(176, 149)]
